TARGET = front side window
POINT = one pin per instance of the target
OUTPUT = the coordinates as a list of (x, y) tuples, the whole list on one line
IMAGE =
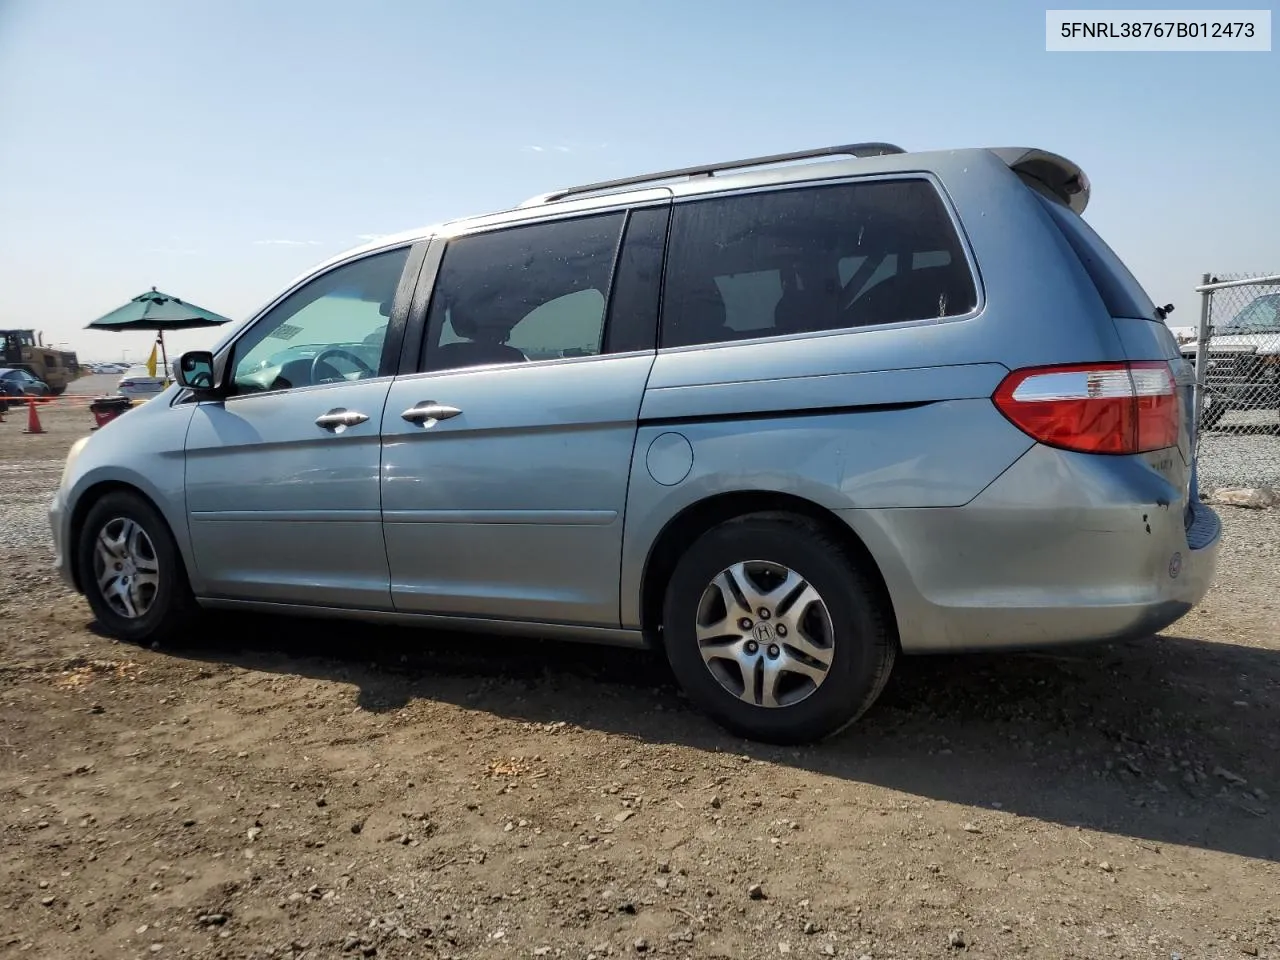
[(535, 292), (329, 331), (814, 258)]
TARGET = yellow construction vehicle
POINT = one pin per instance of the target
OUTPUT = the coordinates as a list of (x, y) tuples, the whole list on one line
[(25, 350)]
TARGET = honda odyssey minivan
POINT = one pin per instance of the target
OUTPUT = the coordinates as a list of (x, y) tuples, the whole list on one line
[(781, 418)]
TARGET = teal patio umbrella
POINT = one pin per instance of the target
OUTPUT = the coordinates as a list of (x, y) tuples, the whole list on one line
[(158, 311)]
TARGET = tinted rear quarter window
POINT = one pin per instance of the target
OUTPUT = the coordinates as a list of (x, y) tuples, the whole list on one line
[(530, 292), (1117, 286), (814, 258)]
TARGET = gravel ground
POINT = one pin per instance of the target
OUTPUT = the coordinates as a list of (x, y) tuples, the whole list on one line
[(290, 789), (1243, 451), (28, 486)]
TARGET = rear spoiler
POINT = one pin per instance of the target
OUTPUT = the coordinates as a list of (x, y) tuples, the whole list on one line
[(1054, 176)]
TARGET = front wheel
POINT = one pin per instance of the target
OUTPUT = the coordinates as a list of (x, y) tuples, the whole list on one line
[(775, 631), (131, 571)]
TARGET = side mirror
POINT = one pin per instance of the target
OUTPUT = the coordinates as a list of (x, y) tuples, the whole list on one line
[(195, 371)]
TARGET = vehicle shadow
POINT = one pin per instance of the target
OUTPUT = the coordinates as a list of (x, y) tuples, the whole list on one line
[(1171, 739)]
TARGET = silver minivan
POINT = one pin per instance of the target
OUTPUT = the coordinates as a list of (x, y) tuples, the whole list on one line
[(781, 418)]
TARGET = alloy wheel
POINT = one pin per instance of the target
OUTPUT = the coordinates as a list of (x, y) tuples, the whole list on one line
[(126, 568), (765, 633)]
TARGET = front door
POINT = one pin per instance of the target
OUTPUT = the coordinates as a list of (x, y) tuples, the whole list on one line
[(282, 475), (505, 461)]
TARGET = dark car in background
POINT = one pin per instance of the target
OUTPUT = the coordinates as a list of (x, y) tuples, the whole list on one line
[(17, 384)]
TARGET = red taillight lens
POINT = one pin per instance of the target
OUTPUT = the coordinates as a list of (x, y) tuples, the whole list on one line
[(1095, 407)]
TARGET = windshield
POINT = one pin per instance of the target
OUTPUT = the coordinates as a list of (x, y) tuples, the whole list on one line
[(1260, 315)]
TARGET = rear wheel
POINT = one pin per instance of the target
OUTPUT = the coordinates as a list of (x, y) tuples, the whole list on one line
[(774, 630), (131, 571)]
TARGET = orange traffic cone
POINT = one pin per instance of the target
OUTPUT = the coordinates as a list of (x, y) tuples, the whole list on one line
[(33, 418)]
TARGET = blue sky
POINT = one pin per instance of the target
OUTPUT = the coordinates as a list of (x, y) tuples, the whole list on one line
[(217, 148)]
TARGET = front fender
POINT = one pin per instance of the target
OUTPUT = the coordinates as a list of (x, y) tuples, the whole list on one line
[(145, 450)]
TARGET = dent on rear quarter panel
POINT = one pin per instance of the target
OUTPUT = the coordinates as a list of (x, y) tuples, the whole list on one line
[(1061, 547), (938, 455)]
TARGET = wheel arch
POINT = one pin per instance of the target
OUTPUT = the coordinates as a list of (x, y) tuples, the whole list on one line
[(93, 495), (699, 517)]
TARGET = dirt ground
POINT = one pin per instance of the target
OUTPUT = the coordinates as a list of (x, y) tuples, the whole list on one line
[(293, 789)]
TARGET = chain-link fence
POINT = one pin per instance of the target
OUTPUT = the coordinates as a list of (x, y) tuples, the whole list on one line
[(1238, 367)]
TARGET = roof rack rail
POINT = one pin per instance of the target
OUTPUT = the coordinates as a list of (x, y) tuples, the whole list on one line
[(869, 149)]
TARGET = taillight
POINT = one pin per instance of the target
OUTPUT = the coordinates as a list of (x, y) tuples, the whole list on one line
[(1113, 408)]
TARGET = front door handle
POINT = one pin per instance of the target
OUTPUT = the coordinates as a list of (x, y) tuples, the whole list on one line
[(428, 412), (339, 418)]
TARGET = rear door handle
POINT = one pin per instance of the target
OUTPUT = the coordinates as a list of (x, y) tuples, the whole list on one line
[(428, 412), (339, 418)]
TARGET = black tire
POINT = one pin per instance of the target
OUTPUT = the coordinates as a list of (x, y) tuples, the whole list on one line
[(863, 643), (170, 604)]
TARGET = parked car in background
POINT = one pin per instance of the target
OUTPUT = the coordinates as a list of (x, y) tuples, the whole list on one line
[(138, 383), (1242, 369), (107, 366), (781, 422), (17, 384)]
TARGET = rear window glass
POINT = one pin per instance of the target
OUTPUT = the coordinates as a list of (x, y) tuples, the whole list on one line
[(800, 260), (1118, 288)]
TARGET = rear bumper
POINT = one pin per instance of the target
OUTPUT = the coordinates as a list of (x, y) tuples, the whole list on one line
[(1063, 548)]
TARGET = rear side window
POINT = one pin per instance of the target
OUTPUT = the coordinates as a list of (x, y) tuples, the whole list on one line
[(1118, 288), (531, 292), (817, 258)]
